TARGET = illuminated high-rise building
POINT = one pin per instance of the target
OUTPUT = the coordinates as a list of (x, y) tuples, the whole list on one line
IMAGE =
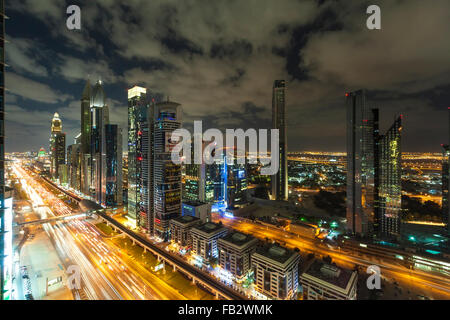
[(99, 118), (194, 179), (390, 174), (57, 146), (138, 109), (166, 174), (74, 163), (5, 271), (445, 183), (85, 139), (113, 187), (280, 179), (360, 164)]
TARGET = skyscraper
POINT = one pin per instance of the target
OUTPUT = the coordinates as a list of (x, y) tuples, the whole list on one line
[(3, 268), (85, 139), (445, 183), (99, 118), (167, 175), (280, 179), (360, 163), (113, 188), (74, 162), (390, 174), (138, 106), (57, 146)]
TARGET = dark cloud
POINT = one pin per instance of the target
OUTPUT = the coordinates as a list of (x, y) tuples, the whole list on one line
[(219, 59)]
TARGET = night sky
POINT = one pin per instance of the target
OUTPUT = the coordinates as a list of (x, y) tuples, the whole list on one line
[(219, 60)]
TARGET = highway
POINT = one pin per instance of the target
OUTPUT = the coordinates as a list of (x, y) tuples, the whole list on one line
[(345, 258), (106, 272), (181, 264)]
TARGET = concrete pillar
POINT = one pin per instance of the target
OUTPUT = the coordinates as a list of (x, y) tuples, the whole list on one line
[(193, 280), (174, 268)]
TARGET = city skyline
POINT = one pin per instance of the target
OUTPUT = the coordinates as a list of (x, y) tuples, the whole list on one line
[(222, 71), (102, 201)]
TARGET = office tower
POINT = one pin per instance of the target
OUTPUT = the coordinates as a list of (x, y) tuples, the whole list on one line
[(194, 179), (138, 108), (57, 146), (276, 271), (166, 174), (3, 228), (280, 179), (390, 174), (217, 176), (85, 139), (360, 164), (237, 185), (445, 185), (99, 118), (74, 161), (113, 188)]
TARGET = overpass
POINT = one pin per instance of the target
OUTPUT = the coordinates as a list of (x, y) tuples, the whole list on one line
[(52, 219), (215, 286)]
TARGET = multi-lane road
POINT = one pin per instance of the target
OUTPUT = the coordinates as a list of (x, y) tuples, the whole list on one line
[(105, 271), (439, 285)]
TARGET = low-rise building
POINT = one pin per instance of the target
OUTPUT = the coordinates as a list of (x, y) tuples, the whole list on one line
[(197, 209), (322, 281), (235, 250), (180, 229), (204, 239), (276, 271)]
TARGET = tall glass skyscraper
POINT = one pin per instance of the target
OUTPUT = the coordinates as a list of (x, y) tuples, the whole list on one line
[(390, 174), (138, 106), (113, 188), (57, 146), (3, 270), (280, 180), (167, 175), (360, 163)]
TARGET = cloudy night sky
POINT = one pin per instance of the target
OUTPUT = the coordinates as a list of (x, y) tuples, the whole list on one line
[(219, 60)]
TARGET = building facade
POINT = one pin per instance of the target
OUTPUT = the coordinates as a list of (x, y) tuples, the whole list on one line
[(180, 228), (280, 180), (390, 174), (322, 281), (204, 239), (276, 271), (166, 174), (235, 251), (57, 146), (360, 164), (197, 209), (138, 106), (445, 186), (113, 188)]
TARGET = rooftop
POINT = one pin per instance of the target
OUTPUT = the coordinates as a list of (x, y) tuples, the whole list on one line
[(237, 238), (209, 227), (329, 273), (276, 252), (186, 219)]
